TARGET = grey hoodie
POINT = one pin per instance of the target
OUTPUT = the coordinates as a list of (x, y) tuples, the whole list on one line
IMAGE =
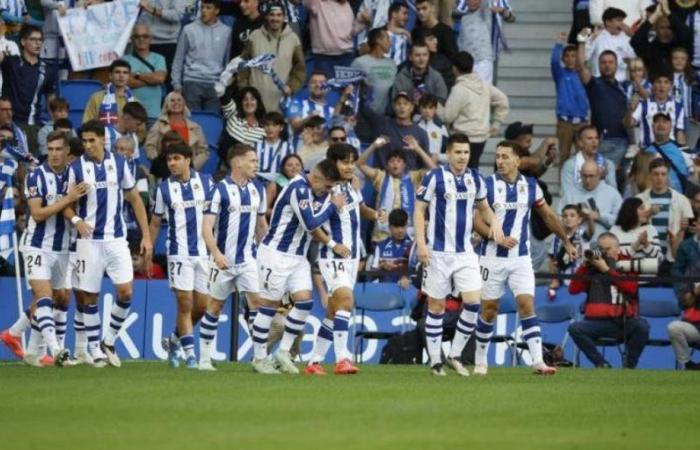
[(165, 28), (202, 53)]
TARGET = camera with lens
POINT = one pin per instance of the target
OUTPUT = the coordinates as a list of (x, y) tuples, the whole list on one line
[(644, 266), (592, 254)]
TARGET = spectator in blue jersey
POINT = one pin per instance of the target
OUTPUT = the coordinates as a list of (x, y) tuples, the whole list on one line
[(26, 81), (671, 209), (16, 15), (399, 131), (611, 309), (272, 148), (434, 128), (132, 119), (587, 149), (316, 103), (607, 99), (399, 36), (331, 31), (148, 70), (572, 102), (641, 112), (418, 77), (391, 254), (580, 230), (599, 201), (201, 55), (681, 165)]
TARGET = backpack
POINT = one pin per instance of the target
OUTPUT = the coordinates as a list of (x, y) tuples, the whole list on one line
[(404, 348)]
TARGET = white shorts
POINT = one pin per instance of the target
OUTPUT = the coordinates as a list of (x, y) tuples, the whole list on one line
[(339, 273), (451, 272), (71, 274), (189, 273), (516, 272), (94, 258), (241, 277), (42, 265), (280, 273)]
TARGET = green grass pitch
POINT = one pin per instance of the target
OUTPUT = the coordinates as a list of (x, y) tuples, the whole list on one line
[(147, 405)]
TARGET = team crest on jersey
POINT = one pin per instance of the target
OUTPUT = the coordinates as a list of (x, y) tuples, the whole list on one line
[(196, 186), (434, 135), (33, 191), (522, 189), (110, 168), (304, 204)]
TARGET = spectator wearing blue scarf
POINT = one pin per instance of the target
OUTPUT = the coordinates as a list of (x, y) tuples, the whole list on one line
[(680, 164)]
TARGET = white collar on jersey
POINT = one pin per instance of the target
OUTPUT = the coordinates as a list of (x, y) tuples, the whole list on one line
[(88, 158), (175, 180)]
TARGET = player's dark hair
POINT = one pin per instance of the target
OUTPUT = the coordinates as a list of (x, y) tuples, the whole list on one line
[(513, 146), (342, 152), (56, 135), (457, 138), (418, 2), (181, 149), (328, 169), (119, 63), (237, 150), (136, 111), (93, 126), (398, 217)]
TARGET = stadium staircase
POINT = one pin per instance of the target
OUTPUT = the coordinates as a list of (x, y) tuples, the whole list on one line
[(524, 74)]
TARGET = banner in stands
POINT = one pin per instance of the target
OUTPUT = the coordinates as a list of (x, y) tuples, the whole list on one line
[(153, 315), (97, 35)]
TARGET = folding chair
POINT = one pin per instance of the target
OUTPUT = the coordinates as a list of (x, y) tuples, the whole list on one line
[(377, 297), (78, 92)]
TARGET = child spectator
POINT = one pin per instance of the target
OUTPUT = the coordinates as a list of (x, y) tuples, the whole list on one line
[(139, 263), (272, 149), (580, 233), (58, 109), (391, 254), (682, 81), (434, 128)]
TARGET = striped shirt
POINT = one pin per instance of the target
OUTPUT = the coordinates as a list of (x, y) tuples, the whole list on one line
[(270, 155), (111, 136), (512, 204), (660, 219), (451, 200), (52, 234), (102, 206), (303, 108), (644, 117), (235, 208), (344, 226), (183, 206), (293, 217), (238, 128), (398, 51)]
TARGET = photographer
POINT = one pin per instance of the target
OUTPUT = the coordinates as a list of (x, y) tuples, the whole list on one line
[(612, 305), (687, 330)]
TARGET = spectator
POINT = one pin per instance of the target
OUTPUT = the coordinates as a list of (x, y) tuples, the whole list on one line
[(572, 102), (175, 117), (244, 112), (395, 187), (381, 71), (475, 34), (246, 22), (433, 127), (132, 119), (418, 77), (201, 55), (15, 16), (331, 30), (633, 9), (532, 164), (106, 105), (7, 46), (26, 80), (428, 22), (290, 167), (672, 209), (581, 19), (637, 238), (641, 112), (149, 70), (21, 150), (53, 52), (164, 20), (693, 223), (300, 109), (272, 149), (638, 176), (656, 38), (399, 36), (687, 331), (611, 38), (58, 109), (599, 202), (587, 150), (125, 146), (439, 61), (278, 38), (607, 100), (155, 272), (159, 164), (580, 231), (683, 79), (611, 309), (313, 144), (664, 147), (400, 131), (391, 254), (474, 107)]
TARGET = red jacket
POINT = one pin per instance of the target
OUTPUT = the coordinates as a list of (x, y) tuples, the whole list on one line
[(607, 306)]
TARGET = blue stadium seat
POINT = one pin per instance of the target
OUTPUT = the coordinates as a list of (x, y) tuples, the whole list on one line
[(213, 161), (656, 309), (212, 124), (78, 92), (377, 297), (76, 117)]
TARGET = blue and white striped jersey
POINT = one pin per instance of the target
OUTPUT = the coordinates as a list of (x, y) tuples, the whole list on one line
[(682, 93), (111, 136), (102, 206), (237, 209), (301, 109), (344, 226), (644, 117), (399, 48), (451, 200), (183, 206), (293, 217), (512, 204), (270, 155), (53, 234)]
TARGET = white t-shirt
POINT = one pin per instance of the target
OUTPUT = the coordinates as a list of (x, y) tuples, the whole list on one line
[(620, 44)]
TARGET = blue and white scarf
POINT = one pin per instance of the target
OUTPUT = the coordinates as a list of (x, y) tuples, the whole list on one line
[(109, 110), (264, 63), (346, 76), (407, 196)]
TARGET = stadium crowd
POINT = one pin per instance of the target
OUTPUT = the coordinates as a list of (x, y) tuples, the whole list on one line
[(400, 82)]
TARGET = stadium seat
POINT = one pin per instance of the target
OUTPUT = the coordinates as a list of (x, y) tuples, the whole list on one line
[(78, 92), (555, 313), (660, 311), (76, 117), (212, 124), (212, 162), (378, 297)]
